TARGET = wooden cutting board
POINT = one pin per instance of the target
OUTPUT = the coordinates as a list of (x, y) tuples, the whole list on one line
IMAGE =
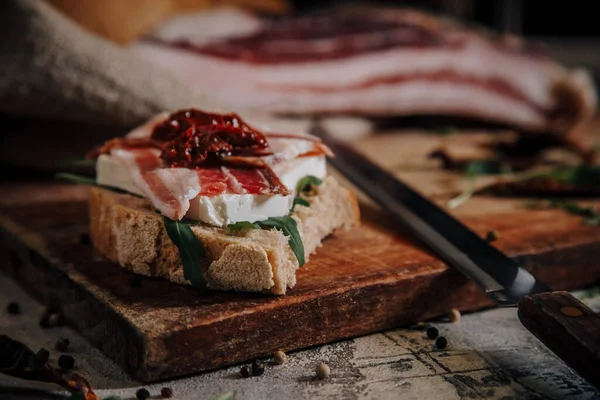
[(364, 280)]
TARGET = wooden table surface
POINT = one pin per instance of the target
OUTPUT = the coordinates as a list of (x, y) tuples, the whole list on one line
[(489, 356)]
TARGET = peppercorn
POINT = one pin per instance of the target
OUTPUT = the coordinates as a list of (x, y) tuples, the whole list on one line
[(166, 392), (142, 394), (441, 342), (279, 357), (56, 319), (66, 361), (432, 332), (13, 308), (62, 344), (135, 281), (45, 319), (42, 356), (322, 371), (491, 236), (246, 371), (258, 368), (454, 315), (420, 324)]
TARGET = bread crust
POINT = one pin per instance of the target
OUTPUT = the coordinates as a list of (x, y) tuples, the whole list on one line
[(129, 231)]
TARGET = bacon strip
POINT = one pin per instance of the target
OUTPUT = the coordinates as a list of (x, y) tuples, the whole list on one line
[(380, 62), (171, 189)]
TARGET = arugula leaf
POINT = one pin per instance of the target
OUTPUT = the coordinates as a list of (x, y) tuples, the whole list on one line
[(305, 183), (190, 249), (289, 227), (242, 226), (473, 170), (486, 167), (581, 175), (299, 201), (590, 215), (74, 178)]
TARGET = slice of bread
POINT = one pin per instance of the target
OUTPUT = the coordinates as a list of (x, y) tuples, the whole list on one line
[(129, 231)]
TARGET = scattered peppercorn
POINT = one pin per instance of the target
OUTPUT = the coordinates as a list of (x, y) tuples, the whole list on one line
[(62, 344), (246, 371), (322, 371), (432, 332), (42, 356), (491, 236), (420, 324), (454, 315), (66, 361), (258, 368), (13, 308), (166, 392), (84, 238), (279, 357), (441, 342), (45, 321), (56, 319), (142, 394), (135, 281)]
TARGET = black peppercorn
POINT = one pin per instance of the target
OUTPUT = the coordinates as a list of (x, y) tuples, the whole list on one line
[(62, 344), (432, 332), (166, 392), (42, 356), (66, 362), (142, 394), (246, 371), (45, 319), (441, 342), (258, 368), (56, 319), (491, 236), (13, 308)]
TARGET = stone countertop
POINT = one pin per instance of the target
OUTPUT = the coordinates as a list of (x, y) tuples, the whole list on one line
[(489, 356)]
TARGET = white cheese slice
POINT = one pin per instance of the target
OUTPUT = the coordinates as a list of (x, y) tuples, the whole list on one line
[(225, 208)]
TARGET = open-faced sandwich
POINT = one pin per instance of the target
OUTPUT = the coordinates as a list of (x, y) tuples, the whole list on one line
[(205, 199)]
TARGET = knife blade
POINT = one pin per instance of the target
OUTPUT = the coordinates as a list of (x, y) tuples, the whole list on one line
[(567, 327)]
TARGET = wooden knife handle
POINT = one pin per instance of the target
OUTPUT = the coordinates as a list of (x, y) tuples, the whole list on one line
[(567, 327)]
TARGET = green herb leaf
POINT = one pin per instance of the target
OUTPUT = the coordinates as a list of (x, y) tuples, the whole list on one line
[(589, 214), (289, 227), (486, 167), (242, 226), (190, 249), (305, 183), (74, 178), (227, 396), (581, 175), (299, 201)]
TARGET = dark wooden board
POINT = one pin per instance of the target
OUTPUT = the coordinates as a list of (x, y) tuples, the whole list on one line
[(361, 281)]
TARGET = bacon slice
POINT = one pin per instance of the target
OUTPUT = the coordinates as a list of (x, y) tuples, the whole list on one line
[(380, 63), (171, 189)]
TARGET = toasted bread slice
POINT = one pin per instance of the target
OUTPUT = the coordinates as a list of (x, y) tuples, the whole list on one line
[(129, 231)]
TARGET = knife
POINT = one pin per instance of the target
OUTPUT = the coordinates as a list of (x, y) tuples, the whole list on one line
[(564, 324)]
